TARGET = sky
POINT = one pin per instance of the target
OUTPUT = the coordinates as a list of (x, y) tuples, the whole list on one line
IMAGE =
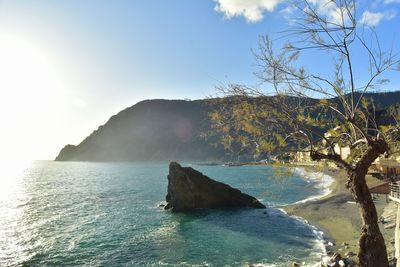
[(67, 66)]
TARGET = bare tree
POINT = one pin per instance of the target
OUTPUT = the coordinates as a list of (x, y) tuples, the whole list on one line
[(304, 103)]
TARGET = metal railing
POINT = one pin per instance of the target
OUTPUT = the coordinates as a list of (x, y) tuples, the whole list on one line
[(395, 190)]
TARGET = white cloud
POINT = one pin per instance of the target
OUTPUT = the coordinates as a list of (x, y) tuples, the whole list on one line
[(372, 19), (289, 10), (391, 1), (252, 10), (333, 12), (391, 14)]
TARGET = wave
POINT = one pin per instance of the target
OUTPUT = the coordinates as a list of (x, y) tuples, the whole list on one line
[(320, 248), (319, 180), (323, 182)]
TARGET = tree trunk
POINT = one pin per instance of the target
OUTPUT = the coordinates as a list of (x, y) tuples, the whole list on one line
[(372, 248)]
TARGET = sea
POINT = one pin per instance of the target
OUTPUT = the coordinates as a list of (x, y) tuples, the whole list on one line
[(109, 214)]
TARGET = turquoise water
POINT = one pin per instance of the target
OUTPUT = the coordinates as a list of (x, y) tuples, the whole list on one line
[(107, 214)]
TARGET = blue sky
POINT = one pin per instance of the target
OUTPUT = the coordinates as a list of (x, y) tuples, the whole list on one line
[(103, 56)]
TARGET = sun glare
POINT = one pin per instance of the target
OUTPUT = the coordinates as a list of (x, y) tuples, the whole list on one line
[(13, 174), (29, 87)]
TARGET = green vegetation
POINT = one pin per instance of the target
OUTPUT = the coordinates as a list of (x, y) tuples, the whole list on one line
[(315, 112)]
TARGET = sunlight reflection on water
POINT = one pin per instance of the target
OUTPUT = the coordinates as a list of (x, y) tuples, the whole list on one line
[(12, 197), (11, 178), (76, 213)]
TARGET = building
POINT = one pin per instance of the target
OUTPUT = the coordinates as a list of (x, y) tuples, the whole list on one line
[(389, 169), (302, 157), (343, 151), (386, 168)]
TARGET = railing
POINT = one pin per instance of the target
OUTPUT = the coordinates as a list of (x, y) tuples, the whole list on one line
[(395, 190)]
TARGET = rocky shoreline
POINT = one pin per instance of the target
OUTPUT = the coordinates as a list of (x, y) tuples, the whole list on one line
[(334, 214), (337, 216)]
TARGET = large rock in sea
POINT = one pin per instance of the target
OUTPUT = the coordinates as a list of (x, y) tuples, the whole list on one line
[(189, 189)]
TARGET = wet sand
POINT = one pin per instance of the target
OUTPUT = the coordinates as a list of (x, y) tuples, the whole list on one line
[(337, 215)]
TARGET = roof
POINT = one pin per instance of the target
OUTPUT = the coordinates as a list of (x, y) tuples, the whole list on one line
[(379, 188)]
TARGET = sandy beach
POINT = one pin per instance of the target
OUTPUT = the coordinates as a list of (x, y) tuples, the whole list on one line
[(337, 215)]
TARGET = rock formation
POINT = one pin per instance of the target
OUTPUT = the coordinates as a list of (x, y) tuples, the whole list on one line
[(189, 189)]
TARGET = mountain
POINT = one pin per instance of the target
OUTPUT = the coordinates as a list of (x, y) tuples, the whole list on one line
[(165, 130), (151, 130)]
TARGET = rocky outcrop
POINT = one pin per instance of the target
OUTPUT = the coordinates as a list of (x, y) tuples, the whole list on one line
[(189, 189)]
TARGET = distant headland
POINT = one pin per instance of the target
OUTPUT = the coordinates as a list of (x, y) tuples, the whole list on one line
[(164, 130)]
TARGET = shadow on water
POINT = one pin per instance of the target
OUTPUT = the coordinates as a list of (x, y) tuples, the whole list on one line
[(264, 224), (235, 237), (107, 215)]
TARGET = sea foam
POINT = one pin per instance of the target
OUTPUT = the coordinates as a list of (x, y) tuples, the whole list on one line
[(319, 180)]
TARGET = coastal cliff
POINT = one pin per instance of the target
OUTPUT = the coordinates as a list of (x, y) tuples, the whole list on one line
[(151, 130), (164, 130)]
